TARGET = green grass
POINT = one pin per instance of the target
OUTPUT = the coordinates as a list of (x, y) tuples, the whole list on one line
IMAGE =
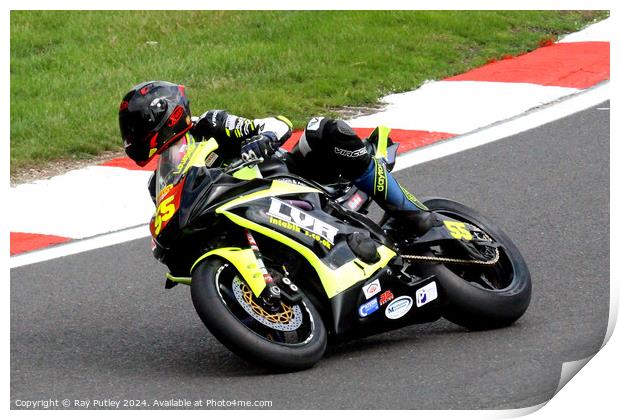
[(70, 69)]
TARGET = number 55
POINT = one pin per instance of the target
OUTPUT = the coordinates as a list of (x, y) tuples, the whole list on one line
[(458, 230), (164, 212)]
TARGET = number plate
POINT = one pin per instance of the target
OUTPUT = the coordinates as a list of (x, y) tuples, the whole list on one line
[(458, 230)]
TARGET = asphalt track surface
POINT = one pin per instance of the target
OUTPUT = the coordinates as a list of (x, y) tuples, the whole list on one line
[(100, 325)]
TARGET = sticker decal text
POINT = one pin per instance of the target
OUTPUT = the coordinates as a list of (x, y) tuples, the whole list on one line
[(310, 225)]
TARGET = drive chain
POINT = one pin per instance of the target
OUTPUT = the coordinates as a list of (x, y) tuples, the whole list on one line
[(445, 260)]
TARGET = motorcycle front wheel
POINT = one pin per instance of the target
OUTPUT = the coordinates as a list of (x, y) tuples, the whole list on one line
[(278, 337)]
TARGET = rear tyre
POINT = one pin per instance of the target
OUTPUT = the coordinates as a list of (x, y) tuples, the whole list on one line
[(480, 297), (286, 338)]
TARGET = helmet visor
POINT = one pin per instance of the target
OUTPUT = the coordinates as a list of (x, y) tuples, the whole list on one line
[(137, 126)]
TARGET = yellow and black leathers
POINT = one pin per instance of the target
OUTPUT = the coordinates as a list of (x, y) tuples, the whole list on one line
[(330, 148), (231, 131), (327, 149)]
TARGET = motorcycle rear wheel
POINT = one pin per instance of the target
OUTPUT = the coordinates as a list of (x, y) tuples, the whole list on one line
[(288, 339), (479, 297)]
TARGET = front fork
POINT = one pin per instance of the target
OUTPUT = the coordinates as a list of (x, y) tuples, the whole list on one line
[(272, 292)]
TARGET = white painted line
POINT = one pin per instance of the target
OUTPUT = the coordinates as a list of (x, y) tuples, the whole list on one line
[(597, 32), (533, 119), (82, 203), (460, 107), (79, 246)]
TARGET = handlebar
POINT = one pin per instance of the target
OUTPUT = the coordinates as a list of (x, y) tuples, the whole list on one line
[(237, 164)]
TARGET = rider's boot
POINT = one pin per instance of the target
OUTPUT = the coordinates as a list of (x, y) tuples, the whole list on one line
[(399, 203)]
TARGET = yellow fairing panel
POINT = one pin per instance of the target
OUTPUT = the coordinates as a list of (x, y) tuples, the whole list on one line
[(277, 188), (333, 281), (244, 261), (248, 173)]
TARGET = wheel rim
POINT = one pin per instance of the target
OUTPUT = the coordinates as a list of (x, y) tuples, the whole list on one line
[(289, 325)]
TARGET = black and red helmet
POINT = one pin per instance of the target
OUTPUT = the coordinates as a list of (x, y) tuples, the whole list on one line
[(152, 116)]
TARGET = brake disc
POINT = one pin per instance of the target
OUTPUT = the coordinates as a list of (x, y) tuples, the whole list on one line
[(289, 319)]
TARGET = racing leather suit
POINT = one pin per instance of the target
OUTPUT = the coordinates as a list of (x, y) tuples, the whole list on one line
[(327, 149)]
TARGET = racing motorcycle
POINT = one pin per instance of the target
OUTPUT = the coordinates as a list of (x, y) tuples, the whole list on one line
[(278, 263)]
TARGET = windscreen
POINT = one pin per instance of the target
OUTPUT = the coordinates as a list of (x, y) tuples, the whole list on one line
[(170, 166)]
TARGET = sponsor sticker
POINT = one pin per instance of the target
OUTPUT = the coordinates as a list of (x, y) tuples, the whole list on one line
[(291, 181), (210, 160), (164, 191), (399, 307), (355, 202), (372, 288), (311, 225), (367, 308), (213, 117), (350, 153), (385, 297), (175, 116), (426, 294), (380, 179)]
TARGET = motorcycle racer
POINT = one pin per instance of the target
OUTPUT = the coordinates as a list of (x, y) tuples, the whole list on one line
[(155, 115)]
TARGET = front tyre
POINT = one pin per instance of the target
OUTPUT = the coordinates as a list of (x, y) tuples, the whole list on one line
[(481, 297), (285, 337)]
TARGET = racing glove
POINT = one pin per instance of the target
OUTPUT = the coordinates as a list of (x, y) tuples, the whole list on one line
[(262, 145)]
